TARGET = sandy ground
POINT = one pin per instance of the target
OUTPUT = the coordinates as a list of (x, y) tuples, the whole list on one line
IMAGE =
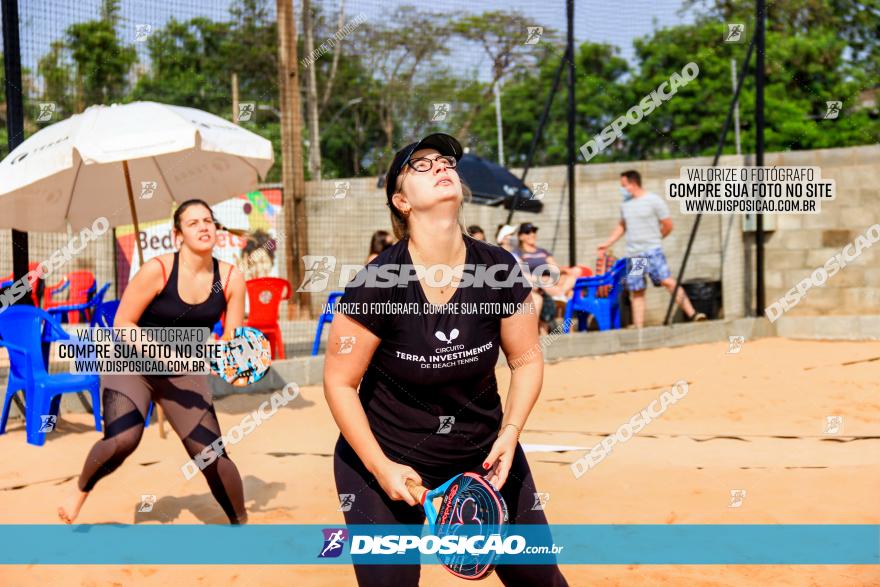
[(753, 421)]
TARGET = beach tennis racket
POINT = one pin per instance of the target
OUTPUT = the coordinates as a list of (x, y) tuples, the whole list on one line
[(244, 359), (468, 500)]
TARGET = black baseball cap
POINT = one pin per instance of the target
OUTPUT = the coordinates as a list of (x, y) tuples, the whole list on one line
[(444, 144), (526, 227)]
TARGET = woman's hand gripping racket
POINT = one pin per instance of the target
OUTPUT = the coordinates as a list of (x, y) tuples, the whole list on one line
[(244, 359), (471, 505)]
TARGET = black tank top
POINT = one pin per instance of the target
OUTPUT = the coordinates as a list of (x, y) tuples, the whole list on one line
[(167, 309)]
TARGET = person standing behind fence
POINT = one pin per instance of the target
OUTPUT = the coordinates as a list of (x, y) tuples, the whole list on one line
[(645, 219)]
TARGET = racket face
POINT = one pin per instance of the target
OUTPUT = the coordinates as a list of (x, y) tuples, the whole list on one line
[(245, 359), (470, 500)]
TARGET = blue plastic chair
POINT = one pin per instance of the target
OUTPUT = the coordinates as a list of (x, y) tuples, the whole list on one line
[(326, 317), (104, 314), (59, 313), (584, 301), (23, 330)]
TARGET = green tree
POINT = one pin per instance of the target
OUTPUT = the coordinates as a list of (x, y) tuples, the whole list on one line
[(803, 72), (599, 92), (398, 60), (501, 36), (252, 51), (855, 22), (102, 62), (188, 66), (55, 69)]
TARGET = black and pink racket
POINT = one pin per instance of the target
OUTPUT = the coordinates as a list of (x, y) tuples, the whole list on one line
[(468, 500)]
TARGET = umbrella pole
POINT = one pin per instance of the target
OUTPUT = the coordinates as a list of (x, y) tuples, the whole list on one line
[(140, 251)]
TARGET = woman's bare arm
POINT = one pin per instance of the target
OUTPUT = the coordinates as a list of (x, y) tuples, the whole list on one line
[(521, 346), (144, 286), (236, 290), (342, 376), (519, 341)]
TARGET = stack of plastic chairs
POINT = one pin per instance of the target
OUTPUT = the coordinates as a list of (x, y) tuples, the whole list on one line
[(80, 287)]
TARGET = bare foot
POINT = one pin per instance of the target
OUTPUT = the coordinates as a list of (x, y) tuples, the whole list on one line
[(69, 509)]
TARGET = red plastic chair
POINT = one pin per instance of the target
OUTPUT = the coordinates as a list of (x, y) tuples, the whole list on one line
[(79, 285), (265, 294), (8, 279)]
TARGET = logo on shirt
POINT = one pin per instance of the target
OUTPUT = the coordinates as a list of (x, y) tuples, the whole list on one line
[(334, 540), (446, 423), (453, 334)]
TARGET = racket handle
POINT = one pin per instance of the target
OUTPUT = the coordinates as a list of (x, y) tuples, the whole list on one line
[(417, 491)]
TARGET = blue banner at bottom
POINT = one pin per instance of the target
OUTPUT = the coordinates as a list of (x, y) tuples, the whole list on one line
[(757, 544)]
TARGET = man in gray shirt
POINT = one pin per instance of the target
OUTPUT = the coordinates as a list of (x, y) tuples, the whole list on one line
[(644, 217)]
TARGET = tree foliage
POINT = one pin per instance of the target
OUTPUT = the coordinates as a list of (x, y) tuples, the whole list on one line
[(391, 73)]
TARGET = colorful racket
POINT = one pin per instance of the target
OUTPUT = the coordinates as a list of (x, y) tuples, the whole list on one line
[(243, 360), (468, 500)]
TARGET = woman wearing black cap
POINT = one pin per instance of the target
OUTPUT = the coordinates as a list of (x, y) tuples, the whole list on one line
[(406, 373)]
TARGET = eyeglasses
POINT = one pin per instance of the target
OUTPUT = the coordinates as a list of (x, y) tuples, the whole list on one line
[(422, 164)]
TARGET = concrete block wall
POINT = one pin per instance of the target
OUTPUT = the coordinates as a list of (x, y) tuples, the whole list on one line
[(803, 243), (341, 228)]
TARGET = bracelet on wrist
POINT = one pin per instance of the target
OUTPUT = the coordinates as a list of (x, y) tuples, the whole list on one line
[(516, 427)]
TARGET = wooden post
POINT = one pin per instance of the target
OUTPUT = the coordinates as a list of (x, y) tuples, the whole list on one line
[(137, 241), (292, 177)]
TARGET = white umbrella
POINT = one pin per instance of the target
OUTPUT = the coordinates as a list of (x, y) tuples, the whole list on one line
[(128, 163), (92, 165)]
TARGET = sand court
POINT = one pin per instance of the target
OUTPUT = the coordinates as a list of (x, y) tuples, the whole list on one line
[(785, 431)]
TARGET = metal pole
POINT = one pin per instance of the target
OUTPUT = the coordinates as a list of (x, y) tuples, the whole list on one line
[(759, 152), (496, 89), (14, 124), (572, 224), (538, 133), (735, 107)]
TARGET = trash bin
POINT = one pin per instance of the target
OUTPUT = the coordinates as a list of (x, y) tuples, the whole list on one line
[(705, 295)]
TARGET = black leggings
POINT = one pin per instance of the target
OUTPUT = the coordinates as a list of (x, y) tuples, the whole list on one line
[(372, 505), (188, 405)]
